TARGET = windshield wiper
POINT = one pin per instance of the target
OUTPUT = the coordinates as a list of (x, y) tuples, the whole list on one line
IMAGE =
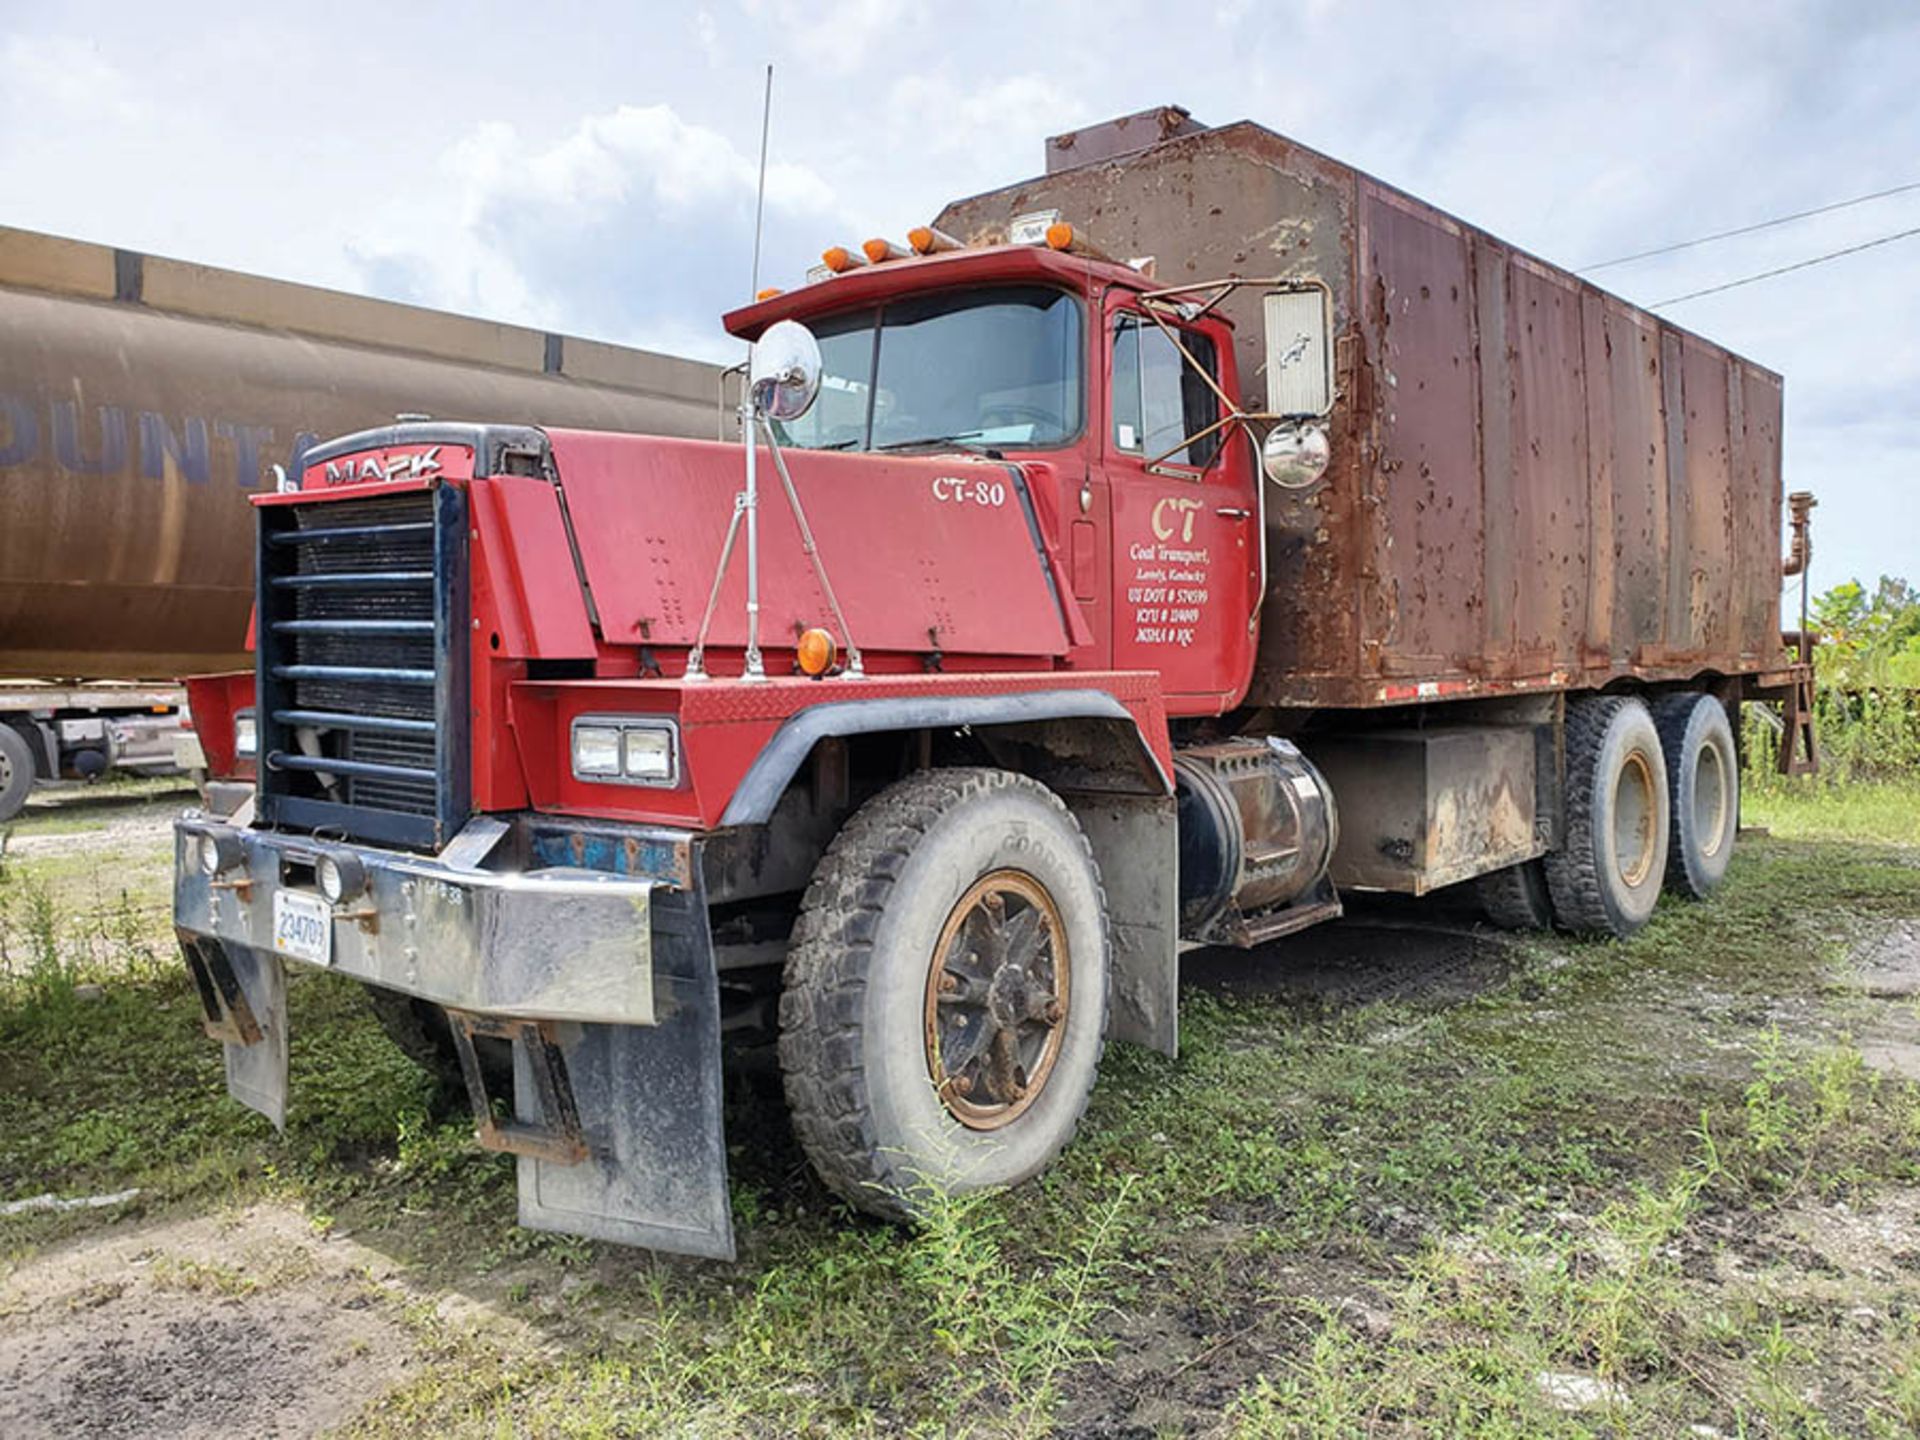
[(953, 439)]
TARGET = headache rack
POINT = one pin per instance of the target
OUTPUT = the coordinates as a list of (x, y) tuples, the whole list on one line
[(361, 650)]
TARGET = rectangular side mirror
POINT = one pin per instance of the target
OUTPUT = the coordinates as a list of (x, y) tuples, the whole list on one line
[(1299, 351)]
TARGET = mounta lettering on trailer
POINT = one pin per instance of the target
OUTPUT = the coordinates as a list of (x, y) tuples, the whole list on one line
[(110, 440)]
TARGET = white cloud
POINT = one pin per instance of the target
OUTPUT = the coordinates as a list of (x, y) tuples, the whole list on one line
[(997, 118), (65, 73), (616, 229), (839, 37)]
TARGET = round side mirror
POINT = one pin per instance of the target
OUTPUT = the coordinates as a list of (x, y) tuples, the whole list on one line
[(1296, 456), (783, 374)]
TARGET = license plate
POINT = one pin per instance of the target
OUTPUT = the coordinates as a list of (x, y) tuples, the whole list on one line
[(303, 926)]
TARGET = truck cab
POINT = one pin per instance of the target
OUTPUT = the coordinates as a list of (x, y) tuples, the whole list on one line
[(1059, 364)]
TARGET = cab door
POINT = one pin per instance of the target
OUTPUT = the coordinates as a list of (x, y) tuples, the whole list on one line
[(1184, 515)]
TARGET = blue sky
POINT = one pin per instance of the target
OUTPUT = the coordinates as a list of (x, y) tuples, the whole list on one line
[(590, 167)]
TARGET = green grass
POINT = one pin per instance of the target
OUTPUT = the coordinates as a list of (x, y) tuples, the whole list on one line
[(1822, 809), (1385, 1218), (74, 807)]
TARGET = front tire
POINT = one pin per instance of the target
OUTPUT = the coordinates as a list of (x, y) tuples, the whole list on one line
[(945, 1000), (1703, 790), (1605, 877)]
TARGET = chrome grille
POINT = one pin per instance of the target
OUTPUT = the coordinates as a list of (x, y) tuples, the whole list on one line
[(355, 601)]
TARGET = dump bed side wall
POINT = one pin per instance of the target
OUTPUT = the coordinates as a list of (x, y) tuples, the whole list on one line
[(1535, 485)]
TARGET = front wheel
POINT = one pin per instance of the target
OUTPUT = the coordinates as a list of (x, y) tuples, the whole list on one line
[(945, 1000)]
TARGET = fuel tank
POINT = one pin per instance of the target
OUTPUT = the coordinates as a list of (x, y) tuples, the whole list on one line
[(142, 400)]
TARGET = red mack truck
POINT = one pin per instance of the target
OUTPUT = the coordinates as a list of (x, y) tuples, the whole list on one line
[(1143, 555)]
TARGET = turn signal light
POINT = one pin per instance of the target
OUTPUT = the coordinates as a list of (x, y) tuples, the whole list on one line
[(880, 251), (926, 240), (839, 259), (816, 652)]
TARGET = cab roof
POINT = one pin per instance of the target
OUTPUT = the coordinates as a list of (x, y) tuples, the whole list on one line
[(916, 274)]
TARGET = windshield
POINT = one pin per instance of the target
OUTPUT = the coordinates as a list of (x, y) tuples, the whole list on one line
[(982, 368)]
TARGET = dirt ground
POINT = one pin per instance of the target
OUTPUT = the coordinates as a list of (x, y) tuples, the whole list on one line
[(241, 1324)]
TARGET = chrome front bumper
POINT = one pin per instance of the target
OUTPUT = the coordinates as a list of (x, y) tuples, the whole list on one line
[(617, 1095), (551, 944)]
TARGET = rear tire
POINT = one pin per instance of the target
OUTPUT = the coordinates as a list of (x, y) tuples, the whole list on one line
[(1516, 898), (1703, 785), (945, 1000), (1605, 877), (16, 772)]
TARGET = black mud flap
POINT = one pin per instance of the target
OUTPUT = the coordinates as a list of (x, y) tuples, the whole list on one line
[(243, 997), (648, 1101)]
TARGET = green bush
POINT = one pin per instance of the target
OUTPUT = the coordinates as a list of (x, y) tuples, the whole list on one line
[(1867, 693)]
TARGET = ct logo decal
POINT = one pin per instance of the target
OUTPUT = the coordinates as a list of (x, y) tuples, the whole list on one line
[(1173, 514)]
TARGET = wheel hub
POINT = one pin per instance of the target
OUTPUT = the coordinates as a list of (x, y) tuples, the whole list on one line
[(997, 995), (1710, 802), (1635, 811)]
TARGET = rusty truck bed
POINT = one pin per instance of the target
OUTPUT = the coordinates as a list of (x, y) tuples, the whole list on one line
[(1535, 485)]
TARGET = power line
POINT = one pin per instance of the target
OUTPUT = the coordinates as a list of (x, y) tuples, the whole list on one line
[(1748, 229), (1785, 269)]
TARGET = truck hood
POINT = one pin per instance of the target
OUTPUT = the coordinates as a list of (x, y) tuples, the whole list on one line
[(925, 553)]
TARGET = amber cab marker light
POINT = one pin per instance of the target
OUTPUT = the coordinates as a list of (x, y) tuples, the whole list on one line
[(839, 259), (768, 293), (880, 251), (926, 240), (816, 652), (1060, 236)]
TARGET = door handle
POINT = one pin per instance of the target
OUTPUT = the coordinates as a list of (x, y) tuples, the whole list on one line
[(1233, 512)]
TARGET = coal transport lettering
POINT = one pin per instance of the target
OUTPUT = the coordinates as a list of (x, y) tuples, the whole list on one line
[(1170, 586)]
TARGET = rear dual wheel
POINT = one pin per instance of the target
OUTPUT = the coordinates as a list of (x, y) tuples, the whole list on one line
[(944, 1007), (1652, 797), (1605, 876), (1703, 790)]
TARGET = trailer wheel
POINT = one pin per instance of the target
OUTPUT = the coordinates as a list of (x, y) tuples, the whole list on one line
[(1703, 782), (16, 772), (945, 1001), (1605, 877), (1515, 897)]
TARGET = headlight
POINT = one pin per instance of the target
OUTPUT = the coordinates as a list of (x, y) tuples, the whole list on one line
[(216, 852), (246, 735), (596, 750), (341, 876), (639, 752), (649, 755)]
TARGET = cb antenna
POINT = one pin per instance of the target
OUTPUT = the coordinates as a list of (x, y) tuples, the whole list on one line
[(760, 196), (746, 505)]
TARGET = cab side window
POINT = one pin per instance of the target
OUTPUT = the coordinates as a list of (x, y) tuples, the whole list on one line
[(1158, 398)]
